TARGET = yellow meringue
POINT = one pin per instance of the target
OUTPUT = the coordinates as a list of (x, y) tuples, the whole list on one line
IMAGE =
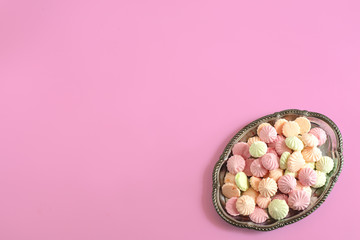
[(325, 164), (294, 143)]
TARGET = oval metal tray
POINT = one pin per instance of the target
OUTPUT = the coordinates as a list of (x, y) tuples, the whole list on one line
[(332, 148)]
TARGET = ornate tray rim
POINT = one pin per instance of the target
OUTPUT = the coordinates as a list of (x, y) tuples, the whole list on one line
[(216, 171)]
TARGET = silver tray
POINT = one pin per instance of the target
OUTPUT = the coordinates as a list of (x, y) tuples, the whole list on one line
[(332, 148)]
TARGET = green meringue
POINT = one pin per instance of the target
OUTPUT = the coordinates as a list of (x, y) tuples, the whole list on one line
[(258, 149), (325, 164), (278, 209), (283, 160), (320, 179), (242, 181), (294, 143)]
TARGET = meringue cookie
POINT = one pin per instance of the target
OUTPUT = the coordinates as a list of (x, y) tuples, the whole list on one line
[(254, 183), (279, 125), (230, 207), (241, 149), (230, 190), (325, 164), (268, 134), (278, 209), (259, 215), (311, 154), (291, 128), (320, 134), (257, 168), (245, 205), (235, 164), (304, 124), (294, 143), (242, 181), (295, 162), (267, 187), (261, 126), (270, 161), (229, 178), (287, 184), (299, 200), (307, 176), (258, 149)]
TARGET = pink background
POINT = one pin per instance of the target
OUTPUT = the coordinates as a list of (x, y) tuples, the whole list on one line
[(113, 113)]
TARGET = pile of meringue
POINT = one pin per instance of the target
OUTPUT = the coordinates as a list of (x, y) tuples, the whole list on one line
[(276, 170)]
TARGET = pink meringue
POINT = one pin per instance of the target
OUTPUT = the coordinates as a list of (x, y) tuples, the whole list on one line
[(235, 164), (270, 161), (287, 183), (281, 147), (307, 176), (241, 149), (248, 163), (261, 126), (320, 134), (257, 169), (259, 215), (281, 197), (268, 134), (231, 207), (299, 200)]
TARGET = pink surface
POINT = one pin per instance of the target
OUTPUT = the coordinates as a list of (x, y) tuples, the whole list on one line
[(113, 113)]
